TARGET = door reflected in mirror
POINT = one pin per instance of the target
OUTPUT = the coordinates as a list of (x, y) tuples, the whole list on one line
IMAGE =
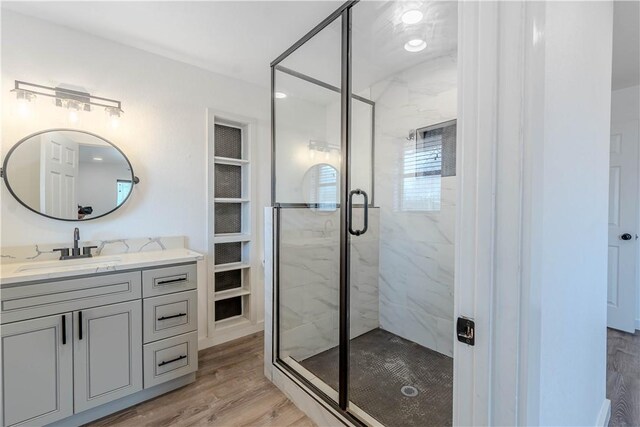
[(320, 187), (69, 175)]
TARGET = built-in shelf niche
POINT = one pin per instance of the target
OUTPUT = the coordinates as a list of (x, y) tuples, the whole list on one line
[(228, 308), (232, 245)]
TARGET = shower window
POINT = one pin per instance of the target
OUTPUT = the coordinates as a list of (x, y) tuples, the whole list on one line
[(425, 161)]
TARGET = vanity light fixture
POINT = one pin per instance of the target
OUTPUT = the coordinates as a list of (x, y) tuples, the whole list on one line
[(323, 147), (412, 16), (73, 100), (280, 95), (415, 45)]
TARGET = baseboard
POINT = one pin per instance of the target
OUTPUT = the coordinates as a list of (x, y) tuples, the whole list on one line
[(605, 414)]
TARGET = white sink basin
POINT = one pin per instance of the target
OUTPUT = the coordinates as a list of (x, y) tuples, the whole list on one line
[(70, 264)]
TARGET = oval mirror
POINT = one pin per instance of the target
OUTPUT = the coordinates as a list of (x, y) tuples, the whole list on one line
[(320, 187), (68, 174)]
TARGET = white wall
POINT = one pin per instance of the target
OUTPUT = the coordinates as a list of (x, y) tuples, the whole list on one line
[(163, 131), (625, 106), (570, 213)]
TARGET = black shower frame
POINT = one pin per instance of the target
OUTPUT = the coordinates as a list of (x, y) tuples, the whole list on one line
[(344, 12)]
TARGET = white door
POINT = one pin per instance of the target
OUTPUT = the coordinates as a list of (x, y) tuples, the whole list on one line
[(37, 364), (623, 226), (107, 353), (59, 172)]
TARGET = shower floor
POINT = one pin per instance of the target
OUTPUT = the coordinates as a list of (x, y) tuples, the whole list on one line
[(381, 364)]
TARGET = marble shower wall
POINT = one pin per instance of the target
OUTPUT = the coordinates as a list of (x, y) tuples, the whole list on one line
[(416, 247), (309, 280)]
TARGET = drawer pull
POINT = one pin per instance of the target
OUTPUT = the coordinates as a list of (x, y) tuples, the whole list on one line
[(172, 317), (184, 356), (168, 281), (79, 325), (64, 329)]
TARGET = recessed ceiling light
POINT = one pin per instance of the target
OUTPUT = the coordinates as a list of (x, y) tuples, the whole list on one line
[(415, 45), (97, 159), (280, 95), (412, 16)]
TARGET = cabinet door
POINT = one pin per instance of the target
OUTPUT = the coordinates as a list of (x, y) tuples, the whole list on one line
[(107, 347), (37, 371)]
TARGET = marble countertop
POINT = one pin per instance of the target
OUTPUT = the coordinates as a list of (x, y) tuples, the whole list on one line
[(45, 270)]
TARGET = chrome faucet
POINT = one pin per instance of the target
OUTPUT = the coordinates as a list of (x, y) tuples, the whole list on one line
[(76, 239), (75, 251)]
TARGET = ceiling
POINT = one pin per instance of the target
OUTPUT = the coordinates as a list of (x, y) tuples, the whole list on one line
[(626, 44), (240, 38)]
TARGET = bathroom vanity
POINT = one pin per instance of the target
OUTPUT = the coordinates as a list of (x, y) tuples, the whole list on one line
[(84, 338)]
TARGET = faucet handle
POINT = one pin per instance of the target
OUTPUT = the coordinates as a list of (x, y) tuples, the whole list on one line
[(86, 250), (64, 252)]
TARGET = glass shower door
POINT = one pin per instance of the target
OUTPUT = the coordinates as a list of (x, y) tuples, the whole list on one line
[(364, 185), (306, 194), (403, 62)]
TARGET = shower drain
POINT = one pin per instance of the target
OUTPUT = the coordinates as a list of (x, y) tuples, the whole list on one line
[(409, 391)]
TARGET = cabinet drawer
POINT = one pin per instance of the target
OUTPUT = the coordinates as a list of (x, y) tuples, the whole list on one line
[(44, 299), (166, 280), (170, 358), (169, 315)]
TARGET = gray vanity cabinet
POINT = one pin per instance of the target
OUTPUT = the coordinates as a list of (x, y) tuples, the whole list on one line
[(37, 370), (73, 349), (107, 346)]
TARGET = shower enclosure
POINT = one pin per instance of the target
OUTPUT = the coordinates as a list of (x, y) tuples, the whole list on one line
[(363, 191)]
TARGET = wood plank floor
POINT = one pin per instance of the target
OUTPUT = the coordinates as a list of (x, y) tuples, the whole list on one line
[(230, 390), (623, 377)]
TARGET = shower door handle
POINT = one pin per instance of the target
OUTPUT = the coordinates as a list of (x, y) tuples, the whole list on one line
[(366, 212)]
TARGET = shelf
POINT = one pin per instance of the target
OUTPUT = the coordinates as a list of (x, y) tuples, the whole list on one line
[(231, 293), (228, 200), (230, 161), (231, 237), (232, 322), (232, 266)]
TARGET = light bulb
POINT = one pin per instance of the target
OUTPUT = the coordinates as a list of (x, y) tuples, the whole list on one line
[(415, 45), (412, 17), (73, 116), (327, 154), (24, 102), (23, 108), (114, 116), (312, 153)]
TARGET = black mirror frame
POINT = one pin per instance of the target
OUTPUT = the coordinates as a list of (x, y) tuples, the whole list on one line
[(134, 179)]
